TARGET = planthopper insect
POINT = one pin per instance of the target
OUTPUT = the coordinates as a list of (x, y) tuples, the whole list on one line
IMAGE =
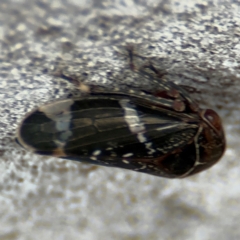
[(149, 134), (161, 132)]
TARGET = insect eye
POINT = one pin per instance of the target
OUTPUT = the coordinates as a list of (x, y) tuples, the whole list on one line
[(213, 119)]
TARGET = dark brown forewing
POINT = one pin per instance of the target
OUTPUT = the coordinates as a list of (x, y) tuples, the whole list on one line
[(84, 127)]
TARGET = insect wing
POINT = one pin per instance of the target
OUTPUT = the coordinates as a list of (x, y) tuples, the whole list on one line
[(112, 131)]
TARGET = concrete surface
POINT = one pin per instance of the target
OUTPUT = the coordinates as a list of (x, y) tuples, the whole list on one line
[(196, 42)]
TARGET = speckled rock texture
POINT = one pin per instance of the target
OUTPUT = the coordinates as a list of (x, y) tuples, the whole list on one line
[(195, 42)]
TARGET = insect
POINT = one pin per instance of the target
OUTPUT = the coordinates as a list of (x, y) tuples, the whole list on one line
[(160, 131)]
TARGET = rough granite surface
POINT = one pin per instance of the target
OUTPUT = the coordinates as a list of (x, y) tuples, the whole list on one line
[(197, 43)]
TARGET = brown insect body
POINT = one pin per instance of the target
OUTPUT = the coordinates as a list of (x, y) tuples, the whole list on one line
[(159, 131)]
